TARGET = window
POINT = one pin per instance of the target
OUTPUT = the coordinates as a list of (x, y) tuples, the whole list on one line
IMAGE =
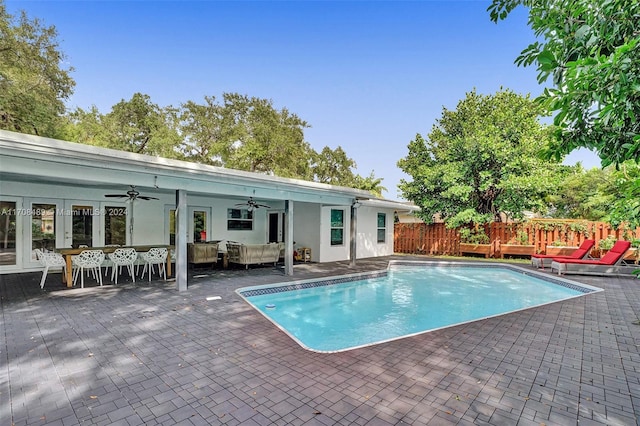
[(43, 227), (337, 227), (199, 226), (239, 220), (115, 225), (382, 227)]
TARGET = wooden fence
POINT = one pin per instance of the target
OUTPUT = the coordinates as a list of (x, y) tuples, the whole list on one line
[(436, 239)]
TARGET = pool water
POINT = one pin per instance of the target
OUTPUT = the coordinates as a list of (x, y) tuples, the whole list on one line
[(328, 317)]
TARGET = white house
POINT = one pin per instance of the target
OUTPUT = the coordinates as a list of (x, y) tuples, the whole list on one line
[(54, 194)]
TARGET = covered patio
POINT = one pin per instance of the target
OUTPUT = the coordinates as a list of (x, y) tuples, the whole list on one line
[(147, 354), (60, 195)]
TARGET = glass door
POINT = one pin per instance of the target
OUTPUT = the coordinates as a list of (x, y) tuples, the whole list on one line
[(43, 228), (199, 224), (82, 224), (11, 213), (114, 222)]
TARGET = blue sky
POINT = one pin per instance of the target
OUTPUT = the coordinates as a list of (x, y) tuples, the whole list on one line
[(366, 75)]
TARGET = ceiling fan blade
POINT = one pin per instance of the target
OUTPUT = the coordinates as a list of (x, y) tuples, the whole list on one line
[(263, 205), (144, 197), (116, 196)]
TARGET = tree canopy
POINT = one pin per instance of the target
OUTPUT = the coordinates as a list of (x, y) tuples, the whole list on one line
[(584, 194), (591, 49), (137, 125), (33, 82), (246, 133), (237, 132), (480, 160)]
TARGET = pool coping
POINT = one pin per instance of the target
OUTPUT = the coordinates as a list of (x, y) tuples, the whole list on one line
[(339, 279)]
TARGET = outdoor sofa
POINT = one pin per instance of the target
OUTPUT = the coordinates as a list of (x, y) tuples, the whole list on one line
[(199, 253), (253, 254), (609, 264), (582, 252)]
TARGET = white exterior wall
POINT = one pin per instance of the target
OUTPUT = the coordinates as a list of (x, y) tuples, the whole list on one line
[(312, 222), (329, 253), (150, 217), (367, 240), (306, 229)]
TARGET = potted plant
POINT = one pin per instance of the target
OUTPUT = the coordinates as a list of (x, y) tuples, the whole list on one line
[(521, 246), (633, 255), (559, 248), (475, 241), (606, 244)]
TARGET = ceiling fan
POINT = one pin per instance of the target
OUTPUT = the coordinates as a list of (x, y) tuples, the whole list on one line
[(132, 195), (252, 205)]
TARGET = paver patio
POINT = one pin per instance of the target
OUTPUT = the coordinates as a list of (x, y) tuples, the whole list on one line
[(146, 354)]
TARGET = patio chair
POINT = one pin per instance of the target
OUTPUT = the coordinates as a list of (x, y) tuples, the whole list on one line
[(155, 256), (90, 260), (582, 252), (609, 264), (122, 257), (49, 260)]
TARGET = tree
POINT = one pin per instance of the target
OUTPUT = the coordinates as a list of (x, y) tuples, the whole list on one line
[(137, 125), (333, 167), (480, 161), (33, 83), (626, 209), (246, 133), (208, 132), (591, 48), (584, 194), (241, 132), (369, 183)]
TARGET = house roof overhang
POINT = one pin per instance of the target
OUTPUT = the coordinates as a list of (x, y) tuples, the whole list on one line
[(36, 159)]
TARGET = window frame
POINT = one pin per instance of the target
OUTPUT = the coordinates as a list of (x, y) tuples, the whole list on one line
[(383, 228), (246, 218), (333, 228)]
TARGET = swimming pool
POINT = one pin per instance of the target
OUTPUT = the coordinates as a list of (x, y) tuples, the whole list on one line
[(409, 298)]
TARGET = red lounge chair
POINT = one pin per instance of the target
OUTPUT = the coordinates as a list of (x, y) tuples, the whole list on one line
[(609, 264), (542, 260)]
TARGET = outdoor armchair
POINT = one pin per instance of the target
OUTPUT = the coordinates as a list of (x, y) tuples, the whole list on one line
[(49, 260), (155, 256), (123, 257), (91, 260)]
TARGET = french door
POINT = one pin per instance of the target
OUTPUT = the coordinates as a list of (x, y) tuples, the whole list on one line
[(11, 224), (199, 224), (82, 224), (44, 227)]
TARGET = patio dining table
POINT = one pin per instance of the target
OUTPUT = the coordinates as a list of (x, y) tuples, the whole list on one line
[(68, 252)]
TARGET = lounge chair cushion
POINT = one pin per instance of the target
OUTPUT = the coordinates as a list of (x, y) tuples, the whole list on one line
[(612, 257), (579, 253)]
